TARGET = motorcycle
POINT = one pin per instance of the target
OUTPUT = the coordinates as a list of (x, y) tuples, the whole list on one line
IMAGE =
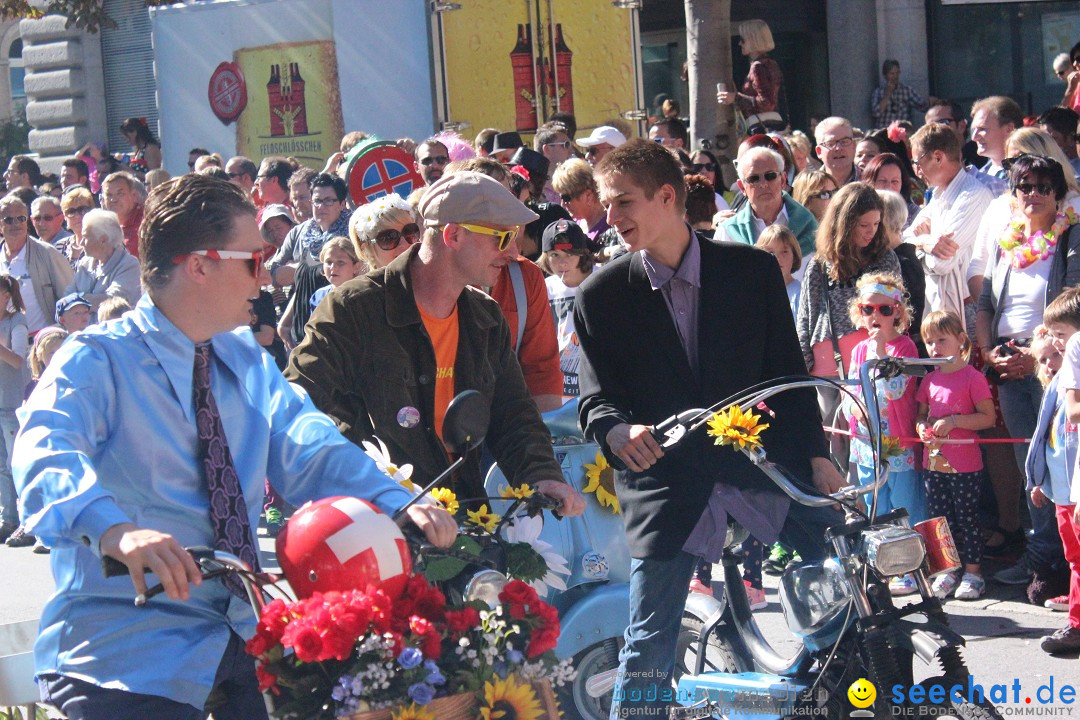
[(840, 610), (593, 609)]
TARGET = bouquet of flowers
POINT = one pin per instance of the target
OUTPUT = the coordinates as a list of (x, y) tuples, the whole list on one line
[(337, 654)]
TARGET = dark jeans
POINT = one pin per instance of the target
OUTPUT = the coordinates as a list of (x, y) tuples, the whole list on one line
[(658, 590), (235, 696)]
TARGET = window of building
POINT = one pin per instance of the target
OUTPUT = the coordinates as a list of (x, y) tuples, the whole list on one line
[(16, 72)]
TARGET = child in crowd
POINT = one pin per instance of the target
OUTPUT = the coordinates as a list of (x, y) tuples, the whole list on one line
[(880, 307), (340, 263), (1051, 472), (112, 308), (13, 345), (567, 260), (782, 244), (954, 403)]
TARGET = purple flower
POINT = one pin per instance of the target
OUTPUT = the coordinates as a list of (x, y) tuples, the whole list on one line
[(410, 658), (421, 693)]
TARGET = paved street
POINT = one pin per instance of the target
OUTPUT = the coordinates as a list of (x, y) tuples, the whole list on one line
[(1003, 631)]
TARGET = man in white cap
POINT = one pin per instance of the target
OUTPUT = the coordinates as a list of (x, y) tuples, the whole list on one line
[(600, 142), (385, 353)]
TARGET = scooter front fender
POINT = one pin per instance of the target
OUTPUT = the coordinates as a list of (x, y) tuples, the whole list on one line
[(603, 613), (926, 640)]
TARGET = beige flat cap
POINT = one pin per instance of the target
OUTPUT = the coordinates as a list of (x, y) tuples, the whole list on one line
[(470, 197)]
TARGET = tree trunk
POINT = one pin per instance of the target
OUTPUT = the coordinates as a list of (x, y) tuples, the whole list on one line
[(708, 55)]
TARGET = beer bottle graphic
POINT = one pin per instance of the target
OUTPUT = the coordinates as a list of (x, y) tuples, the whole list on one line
[(564, 58), (275, 101), (297, 101), (521, 62)]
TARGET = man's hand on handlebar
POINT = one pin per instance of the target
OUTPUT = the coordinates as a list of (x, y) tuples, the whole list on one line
[(571, 502), (439, 527), (635, 446), (159, 552), (827, 478)]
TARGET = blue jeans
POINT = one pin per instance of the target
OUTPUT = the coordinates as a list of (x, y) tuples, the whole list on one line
[(1020, 400), (902, 489), (9, 500), (658, 590)]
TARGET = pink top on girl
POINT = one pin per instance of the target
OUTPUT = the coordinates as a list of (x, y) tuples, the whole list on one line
[(955, 393), (897, 395)]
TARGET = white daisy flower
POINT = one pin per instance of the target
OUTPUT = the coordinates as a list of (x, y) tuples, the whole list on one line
[(401, 474), (527, 530)]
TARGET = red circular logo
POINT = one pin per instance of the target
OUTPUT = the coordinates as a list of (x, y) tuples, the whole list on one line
[(227, 92)]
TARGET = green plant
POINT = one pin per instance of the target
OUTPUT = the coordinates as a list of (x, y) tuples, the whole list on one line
[(14, 137)]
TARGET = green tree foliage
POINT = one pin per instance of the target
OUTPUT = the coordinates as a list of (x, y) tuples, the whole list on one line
[(88, 15)]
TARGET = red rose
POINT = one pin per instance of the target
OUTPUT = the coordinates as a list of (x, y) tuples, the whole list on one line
[(421, 626), (517, 611), (431, 647), (258, 645), (307, 643), (267, 681), (547, 614), (541, 640), (519, 593), (461, 621)]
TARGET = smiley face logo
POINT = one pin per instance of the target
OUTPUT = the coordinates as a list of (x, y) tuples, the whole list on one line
[(862, 693)]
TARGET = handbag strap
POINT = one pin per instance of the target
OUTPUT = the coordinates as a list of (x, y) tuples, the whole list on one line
[(837, 356), (1000, 307)]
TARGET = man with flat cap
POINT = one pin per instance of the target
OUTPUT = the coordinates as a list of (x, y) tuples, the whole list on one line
[(385, 353)]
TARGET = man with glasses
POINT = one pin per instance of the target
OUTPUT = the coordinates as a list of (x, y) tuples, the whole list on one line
[(22, 171), (600, 142), (761, 180), (193, 155), (431, 158), (242, 171), (671, 133), (123, 193), (43, 273), (949, 114), (386, 352), (48, 220), (836, 148), (553, 141), (156, 433)]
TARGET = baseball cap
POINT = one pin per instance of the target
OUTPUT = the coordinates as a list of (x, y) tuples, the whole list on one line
[(272, 211), (603, 134), (466, 197), (69, 301), (564, 235)]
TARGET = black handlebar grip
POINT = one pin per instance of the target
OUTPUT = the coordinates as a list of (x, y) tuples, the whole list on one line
[(112, 567)]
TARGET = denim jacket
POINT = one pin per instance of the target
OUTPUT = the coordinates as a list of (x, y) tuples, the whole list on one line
[(1038, 474)]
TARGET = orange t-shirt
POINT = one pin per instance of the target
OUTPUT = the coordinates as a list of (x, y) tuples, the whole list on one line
[(444, 339)]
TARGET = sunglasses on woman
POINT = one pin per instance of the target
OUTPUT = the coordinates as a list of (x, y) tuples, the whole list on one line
[(823, 195), (707, 167), (390, 239), (867, 309), (1043, 189)]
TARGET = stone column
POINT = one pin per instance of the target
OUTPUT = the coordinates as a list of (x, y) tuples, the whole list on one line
[(853, 58), (65, 89)]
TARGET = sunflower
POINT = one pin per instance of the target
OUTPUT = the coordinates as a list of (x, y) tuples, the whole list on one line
[(446, 498), (509, 700), (483, 518), (890, 448), (735, 427), (601, 478), (520, 492), (413, 712)]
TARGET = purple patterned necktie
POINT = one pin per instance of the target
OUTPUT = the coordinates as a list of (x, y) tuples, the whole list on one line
[(228, 511)]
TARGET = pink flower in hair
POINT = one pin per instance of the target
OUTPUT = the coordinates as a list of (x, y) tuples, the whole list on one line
[(897, 132)]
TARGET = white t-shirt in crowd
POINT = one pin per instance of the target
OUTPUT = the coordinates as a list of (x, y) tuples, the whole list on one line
[(1023, 304), (36, 318), (561, 300)]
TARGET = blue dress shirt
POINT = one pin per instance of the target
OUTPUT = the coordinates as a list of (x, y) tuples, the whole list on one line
[(109, 436)]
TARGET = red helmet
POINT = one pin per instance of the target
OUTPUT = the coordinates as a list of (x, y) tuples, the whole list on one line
[(343, 543)]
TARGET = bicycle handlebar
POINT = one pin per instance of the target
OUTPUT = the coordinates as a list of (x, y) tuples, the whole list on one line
[(212, 563)]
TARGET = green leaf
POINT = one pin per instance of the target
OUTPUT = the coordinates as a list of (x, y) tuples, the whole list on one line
[(441, 569), (524, 563)]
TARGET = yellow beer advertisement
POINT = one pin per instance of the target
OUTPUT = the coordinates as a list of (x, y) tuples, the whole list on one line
[(293, 102)]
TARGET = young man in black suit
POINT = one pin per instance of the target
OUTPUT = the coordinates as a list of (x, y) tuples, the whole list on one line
[(682, 322)]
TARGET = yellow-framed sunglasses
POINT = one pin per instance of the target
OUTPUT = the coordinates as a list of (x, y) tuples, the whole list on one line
[(505, 236)]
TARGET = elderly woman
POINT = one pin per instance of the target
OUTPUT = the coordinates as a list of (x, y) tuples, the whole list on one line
[(107, 268), (75, 204), (383, 229)]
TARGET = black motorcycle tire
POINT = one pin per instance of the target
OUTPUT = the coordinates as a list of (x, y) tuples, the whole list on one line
[(574, 702), (720, 655), (963, 709)]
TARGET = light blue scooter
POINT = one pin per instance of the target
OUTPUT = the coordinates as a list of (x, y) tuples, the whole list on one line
[(594, 611)]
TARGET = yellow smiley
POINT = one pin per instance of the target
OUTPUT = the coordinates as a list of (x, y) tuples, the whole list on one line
[(862, 693)]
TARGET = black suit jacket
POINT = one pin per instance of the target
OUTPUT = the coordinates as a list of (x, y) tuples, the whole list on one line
[(634, 370)]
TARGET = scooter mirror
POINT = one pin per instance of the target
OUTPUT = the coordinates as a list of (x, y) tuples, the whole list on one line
[(466, 422)]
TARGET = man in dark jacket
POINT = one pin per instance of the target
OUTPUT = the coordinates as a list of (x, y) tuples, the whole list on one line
[(386, 352)]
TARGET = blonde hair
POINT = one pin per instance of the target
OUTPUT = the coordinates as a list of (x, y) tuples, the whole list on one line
[(1035, 141), (156, 177), (903, 321), (784, 235), (74, 195), (369, 220), (1040, 339), (573, 177), (45, 346), (894, 214), (949, 323), (338, 242), (756, 35), (811, 182)]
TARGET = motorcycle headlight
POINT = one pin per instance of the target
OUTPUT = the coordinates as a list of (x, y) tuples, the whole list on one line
[(486, 585), (894, 550)]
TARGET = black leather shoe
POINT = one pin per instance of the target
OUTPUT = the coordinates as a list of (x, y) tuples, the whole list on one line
[(1064, 640)]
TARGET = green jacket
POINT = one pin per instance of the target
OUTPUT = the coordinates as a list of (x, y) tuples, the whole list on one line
[(367, 356), (740, 226)]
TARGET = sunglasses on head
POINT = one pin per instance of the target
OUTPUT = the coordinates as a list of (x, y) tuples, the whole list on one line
[(768, 177), (14, 219), (252, 258), (1043, 189), (390, 239), (867, 309), (505, 236), (435, 160), (708, 167)]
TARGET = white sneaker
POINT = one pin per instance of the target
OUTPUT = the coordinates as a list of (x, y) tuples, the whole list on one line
[(903, 585), (971, 587), (945, 585)]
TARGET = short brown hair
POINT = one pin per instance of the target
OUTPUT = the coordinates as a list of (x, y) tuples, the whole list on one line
[(1064, 309), (1004, 109), (949, 323), (935, 136), (784, 235), (191, 212), (649, 164)]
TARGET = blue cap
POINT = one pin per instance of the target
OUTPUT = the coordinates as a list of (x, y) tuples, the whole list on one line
[(69, 301)]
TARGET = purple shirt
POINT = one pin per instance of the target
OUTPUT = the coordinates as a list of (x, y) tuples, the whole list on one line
[(762, 513)]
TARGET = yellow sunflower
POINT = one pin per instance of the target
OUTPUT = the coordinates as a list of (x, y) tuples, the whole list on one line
[(447, 498), (520, 492), (735, 427), (483, 518), (414, 712), (602, 482), (890, 447), (509, 700)]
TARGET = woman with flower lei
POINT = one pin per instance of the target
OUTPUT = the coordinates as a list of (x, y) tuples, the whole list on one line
[(1033, 260)]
